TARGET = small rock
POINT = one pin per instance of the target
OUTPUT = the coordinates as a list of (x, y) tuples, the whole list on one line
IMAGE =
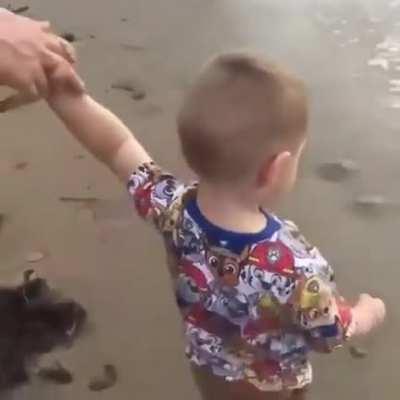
[(56, 374), (91, 36), (34, 256), (69, 37), (20, 10), (124, 19), (108, 380), (338, 170), (358, 352)]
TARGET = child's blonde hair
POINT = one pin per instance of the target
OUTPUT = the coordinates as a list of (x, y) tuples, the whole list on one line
[(240, 111)]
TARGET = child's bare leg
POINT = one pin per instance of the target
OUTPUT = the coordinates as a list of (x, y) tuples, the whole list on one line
[(214, 388)]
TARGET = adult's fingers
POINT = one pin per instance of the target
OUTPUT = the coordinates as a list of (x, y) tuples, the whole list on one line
[(24, 84), (5, 11), (68, 50), (45, 26), (41, 82)]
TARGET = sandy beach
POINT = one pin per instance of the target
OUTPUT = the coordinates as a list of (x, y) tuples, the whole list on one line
[(98, 252)]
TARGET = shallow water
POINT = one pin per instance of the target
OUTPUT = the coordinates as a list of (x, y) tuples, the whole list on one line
[(115, 265)]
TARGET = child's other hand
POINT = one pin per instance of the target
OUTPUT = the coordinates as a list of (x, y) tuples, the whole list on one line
[(368, 314)]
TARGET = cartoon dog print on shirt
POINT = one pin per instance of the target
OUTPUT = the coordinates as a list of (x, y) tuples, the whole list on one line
[(239, 310), (191, 285), (189, 238), (224, 264), (271, 268)]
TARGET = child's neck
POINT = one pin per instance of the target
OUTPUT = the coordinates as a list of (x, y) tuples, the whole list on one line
[(230, 209)]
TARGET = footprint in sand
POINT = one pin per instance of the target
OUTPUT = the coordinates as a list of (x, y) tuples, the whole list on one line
[(106, 381), (337, 171), (373, 205), (130, 86)]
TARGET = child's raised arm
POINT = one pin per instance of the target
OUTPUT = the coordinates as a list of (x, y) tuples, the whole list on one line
[(100, 131)]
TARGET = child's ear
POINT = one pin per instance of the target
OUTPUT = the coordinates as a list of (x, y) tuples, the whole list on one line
[(274, 169)]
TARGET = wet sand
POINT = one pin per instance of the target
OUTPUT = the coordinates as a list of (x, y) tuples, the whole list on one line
[(114, 264)]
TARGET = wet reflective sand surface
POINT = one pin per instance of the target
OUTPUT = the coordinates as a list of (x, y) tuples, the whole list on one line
[(137, 57)]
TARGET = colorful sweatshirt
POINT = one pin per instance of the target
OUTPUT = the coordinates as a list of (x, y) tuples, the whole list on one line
[(253, 305)]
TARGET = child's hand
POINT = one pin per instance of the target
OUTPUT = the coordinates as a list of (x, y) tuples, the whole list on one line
[(58, 81), (368, 314)]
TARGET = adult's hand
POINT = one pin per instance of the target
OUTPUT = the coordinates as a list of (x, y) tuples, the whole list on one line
[(29, 51)]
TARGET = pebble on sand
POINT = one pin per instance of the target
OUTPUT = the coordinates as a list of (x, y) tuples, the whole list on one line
[(337, 171), (106, 381), (69, 37), (19, 10), (34, 256)]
